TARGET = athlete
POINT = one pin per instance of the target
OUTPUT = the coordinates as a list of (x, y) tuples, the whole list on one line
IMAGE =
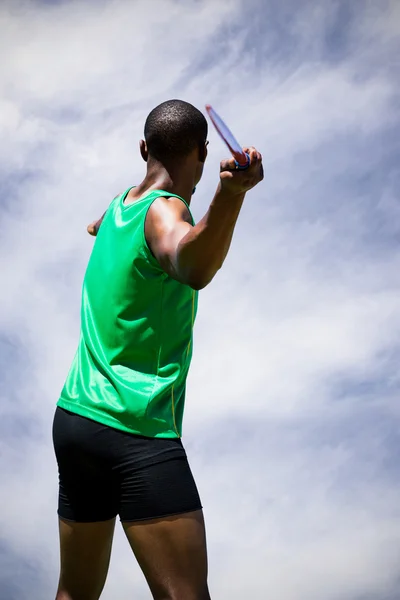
[(118, 423)]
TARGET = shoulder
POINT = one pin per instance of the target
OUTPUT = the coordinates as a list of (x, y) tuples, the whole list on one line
[(169, 209)]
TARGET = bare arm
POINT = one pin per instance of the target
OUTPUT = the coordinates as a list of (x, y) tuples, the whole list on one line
[(194, 254)]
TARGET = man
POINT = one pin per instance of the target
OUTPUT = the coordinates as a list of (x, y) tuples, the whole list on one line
[(118, 423)]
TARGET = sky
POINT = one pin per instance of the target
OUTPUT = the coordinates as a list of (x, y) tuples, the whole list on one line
[(292, 422)]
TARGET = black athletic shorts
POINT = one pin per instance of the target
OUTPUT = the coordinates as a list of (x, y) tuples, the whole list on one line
[(104, 472)]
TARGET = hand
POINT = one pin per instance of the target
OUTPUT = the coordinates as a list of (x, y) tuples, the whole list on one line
[(238, 181), (94, 227)]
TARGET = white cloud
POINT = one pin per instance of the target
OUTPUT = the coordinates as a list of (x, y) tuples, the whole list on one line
[(299, 500)]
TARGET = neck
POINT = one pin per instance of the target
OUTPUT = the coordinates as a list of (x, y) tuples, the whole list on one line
[(177, 180)]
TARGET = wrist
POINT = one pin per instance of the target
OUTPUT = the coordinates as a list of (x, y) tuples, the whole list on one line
[(228, 194)]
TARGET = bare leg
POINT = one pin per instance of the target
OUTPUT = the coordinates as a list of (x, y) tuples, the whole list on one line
[(172, 554), (85, 550)]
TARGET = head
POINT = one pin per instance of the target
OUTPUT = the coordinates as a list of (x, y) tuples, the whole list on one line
[(176, 135)]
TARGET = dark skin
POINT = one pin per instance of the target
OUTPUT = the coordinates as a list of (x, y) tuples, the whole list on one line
[(172, 551), (192, 254)]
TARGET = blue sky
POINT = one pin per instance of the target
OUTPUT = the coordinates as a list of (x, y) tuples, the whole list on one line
[(292, 420)]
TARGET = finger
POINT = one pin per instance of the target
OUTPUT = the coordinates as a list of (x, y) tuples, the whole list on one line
[(249, 149), (228, 165), (257, 159), (253, 154)]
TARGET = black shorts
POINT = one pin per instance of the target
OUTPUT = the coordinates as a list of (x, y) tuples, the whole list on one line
[(104, 472)]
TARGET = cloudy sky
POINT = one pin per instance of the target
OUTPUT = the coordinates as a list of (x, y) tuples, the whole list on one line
[(293, 419)]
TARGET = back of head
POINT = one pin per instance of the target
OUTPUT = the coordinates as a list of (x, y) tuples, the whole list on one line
[(173, 130)]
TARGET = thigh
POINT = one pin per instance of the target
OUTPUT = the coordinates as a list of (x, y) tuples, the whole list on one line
[(85, 550), (161, 514), (172, 554)]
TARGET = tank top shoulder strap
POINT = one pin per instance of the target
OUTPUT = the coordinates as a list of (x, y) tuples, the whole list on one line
[(148, 198), (163, 193)]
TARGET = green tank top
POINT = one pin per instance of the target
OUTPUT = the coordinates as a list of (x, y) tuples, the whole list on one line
[(135, 345)]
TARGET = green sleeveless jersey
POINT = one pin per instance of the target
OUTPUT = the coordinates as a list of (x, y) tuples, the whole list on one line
[(135, 346)]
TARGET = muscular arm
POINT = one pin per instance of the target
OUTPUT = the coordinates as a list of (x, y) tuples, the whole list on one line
[(192, 255)]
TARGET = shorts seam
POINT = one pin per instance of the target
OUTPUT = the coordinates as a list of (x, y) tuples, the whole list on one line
[(163, 516), (69, 520)]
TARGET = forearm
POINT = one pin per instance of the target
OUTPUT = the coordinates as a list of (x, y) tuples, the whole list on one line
[(202, 251)]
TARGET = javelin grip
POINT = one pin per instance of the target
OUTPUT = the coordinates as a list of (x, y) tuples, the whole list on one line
[(243, 166)]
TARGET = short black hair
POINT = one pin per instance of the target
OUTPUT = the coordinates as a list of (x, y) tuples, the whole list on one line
[(173, 129)]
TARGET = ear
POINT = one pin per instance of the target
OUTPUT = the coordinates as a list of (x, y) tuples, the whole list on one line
[(143, 150), (203, 152)]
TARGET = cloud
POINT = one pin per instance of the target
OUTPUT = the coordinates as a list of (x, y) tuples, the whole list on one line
[(292, 420)]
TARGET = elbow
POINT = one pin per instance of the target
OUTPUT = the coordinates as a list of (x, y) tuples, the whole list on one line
[(198, 277), (198, 285), (198, 281)]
